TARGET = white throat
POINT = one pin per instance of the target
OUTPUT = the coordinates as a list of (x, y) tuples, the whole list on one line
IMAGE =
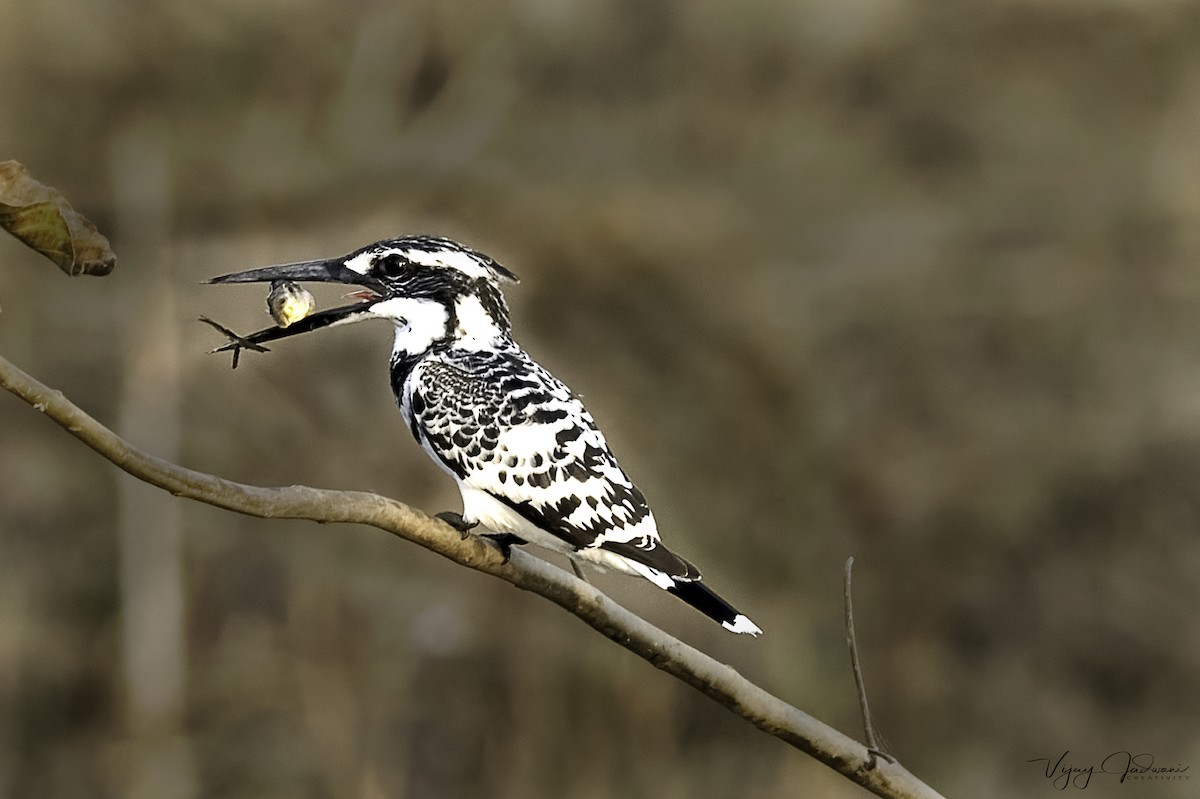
[(419, 322)]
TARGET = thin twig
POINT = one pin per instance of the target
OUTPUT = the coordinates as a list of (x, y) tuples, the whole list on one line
[(717, 680), (859, 684)]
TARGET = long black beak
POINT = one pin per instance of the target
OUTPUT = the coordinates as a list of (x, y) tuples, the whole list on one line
[(328, 271)]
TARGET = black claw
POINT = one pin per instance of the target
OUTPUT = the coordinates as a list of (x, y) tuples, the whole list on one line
[(504, 542), (456, 521), (579, 572)]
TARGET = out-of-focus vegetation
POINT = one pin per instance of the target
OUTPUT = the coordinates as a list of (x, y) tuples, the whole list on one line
[(913, 282), (42, 219)]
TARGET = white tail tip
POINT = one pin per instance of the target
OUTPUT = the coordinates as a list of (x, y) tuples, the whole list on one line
[(741, 624)]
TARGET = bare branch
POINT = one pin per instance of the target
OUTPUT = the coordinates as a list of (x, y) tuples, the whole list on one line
[(717, 680)]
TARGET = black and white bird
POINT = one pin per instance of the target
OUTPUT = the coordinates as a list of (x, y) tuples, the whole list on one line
[(529, 460)]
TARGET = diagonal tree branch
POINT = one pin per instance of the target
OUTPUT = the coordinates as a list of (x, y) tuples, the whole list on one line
[(717, 680)]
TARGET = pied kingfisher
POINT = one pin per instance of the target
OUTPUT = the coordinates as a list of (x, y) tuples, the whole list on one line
[(529, 460)]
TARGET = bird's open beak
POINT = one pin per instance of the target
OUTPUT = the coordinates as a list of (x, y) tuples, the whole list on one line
[(328, 271)]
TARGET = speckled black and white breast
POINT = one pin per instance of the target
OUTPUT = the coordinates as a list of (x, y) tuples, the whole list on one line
[(528, 456)]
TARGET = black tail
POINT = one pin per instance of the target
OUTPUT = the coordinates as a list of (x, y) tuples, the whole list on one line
[(703, 599)]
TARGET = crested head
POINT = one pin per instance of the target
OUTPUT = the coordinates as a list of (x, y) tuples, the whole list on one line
[(409, 256), (436, 291)]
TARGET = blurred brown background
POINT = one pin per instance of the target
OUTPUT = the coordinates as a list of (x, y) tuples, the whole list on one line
[(915, 282)]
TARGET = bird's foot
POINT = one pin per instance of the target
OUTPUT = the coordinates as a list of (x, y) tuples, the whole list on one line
[(504, 542), (456, 521)]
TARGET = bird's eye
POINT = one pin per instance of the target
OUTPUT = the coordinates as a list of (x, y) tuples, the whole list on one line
[(390, 265)]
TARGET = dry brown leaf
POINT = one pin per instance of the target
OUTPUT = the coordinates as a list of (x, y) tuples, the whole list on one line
[(43, 219)]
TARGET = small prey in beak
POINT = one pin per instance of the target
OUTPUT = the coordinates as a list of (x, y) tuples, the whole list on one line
[(289, 302), (291, 305)]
